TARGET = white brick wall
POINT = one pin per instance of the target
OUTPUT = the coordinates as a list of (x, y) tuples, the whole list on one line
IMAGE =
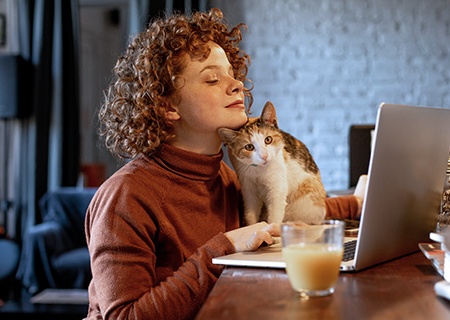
[(327, 64)]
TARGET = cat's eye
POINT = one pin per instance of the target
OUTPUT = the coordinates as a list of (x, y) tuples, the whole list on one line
[(249, 147), (268, 140)]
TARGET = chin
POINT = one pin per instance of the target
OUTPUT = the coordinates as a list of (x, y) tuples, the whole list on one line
[(237, 124)]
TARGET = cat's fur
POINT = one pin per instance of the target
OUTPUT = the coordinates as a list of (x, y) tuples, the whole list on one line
[(276, 172)]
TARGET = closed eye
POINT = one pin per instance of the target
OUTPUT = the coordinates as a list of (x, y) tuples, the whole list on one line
[(268, 140)]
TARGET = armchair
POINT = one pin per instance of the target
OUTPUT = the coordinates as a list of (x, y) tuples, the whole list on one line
[(54, 252)]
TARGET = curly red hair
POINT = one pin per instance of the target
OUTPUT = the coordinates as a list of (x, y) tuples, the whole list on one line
[(133, 113)]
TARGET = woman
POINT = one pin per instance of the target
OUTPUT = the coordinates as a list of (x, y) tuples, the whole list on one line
[(155, 225)]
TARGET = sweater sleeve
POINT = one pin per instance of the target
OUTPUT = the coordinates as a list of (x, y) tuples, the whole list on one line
[(181, 295), (134, 293), (342, 207)]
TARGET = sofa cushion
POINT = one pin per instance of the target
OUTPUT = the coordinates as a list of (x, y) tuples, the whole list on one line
[(73, 268)]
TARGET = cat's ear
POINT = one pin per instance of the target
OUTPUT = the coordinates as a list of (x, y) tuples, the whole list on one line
[(227, 135), (269, 115)]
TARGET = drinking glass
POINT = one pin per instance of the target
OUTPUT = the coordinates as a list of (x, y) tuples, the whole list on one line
[(313, 254)]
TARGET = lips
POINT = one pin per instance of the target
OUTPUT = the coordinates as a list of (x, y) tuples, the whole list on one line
[(239, 104)]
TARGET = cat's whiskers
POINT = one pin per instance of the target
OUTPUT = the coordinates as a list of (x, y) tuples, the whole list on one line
[(244, 169)]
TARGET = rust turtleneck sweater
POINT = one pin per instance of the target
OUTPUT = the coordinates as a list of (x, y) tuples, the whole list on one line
[(152, 230)]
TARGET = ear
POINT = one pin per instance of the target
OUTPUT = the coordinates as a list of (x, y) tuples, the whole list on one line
[(172, 113), (269, 115), (227, 135)]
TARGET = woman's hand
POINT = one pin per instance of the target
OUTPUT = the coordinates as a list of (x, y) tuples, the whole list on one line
[(251, 237)]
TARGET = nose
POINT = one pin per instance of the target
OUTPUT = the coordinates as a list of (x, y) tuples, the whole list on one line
[(235, 86), (263, 155)]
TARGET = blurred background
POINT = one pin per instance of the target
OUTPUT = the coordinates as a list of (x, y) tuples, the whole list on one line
[(326, 65)]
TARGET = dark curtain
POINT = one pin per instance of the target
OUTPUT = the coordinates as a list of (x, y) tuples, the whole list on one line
[(47, 156)]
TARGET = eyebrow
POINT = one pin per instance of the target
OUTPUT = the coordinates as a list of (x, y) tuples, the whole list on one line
[(213, 67), (209, 67)]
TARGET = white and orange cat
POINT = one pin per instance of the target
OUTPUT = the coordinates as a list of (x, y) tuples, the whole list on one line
[(276, 172)]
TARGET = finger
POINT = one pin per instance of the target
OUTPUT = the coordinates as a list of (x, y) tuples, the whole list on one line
[(260, 225), (274, 229), (257, 238)]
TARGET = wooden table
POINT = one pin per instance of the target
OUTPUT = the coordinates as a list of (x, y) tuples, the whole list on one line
[(399, 289)]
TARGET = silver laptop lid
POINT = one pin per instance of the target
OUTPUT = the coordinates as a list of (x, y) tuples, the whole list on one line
[(405, 181)]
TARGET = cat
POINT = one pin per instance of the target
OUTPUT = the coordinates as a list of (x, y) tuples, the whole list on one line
[(279, 178)]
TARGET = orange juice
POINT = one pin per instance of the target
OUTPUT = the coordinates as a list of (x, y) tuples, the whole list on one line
[(312, 266)]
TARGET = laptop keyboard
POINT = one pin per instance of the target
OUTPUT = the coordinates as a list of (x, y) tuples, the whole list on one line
[(349, 250)]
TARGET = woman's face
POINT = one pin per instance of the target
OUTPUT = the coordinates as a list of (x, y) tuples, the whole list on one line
[(210, 96)]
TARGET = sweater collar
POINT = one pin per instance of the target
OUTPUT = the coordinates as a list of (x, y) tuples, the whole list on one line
[(188, 164)]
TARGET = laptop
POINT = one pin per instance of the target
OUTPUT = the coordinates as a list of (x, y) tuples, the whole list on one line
[(405, 181)]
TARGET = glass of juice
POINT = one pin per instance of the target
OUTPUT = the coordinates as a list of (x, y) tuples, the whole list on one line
[(313, 254)]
